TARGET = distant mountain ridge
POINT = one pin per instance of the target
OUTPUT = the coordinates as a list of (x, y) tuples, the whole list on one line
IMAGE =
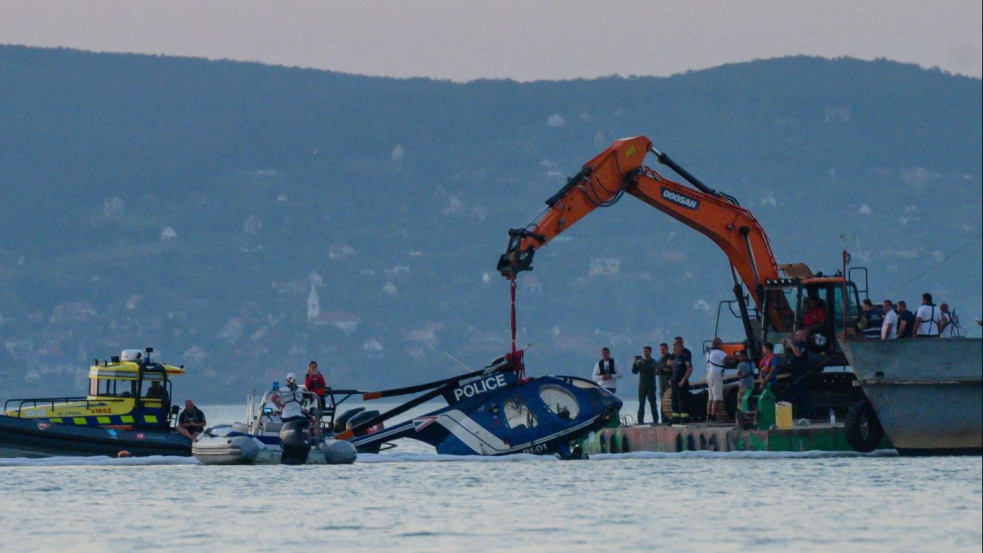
[(194, 205)]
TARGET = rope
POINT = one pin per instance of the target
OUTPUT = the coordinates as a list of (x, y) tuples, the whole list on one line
[(512, 292), (515, 358), (894, 290)]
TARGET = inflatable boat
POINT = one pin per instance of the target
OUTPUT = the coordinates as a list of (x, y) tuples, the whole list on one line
[(266, 439)]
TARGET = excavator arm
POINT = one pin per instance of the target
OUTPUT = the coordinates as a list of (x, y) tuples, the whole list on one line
[(619, 170)]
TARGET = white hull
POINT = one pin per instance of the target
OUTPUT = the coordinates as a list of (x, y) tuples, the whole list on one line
[(224, 446)]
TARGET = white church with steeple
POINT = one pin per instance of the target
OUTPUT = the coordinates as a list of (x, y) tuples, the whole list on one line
[(313, 301)]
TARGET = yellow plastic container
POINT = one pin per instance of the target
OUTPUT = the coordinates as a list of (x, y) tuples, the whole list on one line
[(783, 415)]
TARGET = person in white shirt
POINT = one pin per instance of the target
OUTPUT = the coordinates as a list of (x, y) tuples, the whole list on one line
[(290, 401), (605, 371), (928, 318), (716, 361), (889, 328), (949, 324)]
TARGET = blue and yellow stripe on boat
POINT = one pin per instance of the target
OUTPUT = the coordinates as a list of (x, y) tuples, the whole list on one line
[(109, 420)]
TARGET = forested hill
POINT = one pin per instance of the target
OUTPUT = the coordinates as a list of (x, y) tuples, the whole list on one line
[(194, 205)]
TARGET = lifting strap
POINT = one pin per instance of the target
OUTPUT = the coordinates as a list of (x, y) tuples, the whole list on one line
[(515, 357)]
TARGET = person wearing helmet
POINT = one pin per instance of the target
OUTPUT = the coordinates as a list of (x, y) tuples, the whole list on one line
[(289, 400)]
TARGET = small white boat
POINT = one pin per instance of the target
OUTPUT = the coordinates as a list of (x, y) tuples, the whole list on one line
[(265, 439)]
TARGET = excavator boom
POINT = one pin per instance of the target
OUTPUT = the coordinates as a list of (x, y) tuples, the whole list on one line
[(619, 170)]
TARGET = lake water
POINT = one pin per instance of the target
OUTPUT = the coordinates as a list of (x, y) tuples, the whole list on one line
[(412, 500)]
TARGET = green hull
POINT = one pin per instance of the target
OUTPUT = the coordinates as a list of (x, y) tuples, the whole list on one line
[(677, 439)]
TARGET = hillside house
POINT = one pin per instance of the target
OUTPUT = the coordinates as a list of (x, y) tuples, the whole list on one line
[(604, 266), (340, 252), (73, 312), (373, 348), (194, 355), (346, 322), (113, 207), (253, 225)]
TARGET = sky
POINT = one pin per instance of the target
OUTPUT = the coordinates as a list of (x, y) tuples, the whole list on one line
[(524, 40)]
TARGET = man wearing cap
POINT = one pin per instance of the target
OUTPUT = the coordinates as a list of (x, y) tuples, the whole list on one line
[(289, 401), (191, 421)]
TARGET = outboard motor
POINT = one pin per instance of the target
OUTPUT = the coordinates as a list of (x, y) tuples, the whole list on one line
[(295, 439), (358, 419), (341, 423)]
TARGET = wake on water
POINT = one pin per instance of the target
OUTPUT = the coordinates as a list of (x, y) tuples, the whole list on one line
[(66, 461), (376, 458)]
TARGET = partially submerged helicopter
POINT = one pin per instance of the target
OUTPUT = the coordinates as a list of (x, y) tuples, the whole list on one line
[(495, 411)]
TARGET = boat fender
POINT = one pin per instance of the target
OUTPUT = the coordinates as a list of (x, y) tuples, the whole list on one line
[(862, 428), (248, 448), (339, 452)]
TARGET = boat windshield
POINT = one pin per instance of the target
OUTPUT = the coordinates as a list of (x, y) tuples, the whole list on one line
[(112, 387), (560, 401)]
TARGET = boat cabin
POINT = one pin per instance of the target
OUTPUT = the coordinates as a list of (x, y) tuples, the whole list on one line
[(129, 391)]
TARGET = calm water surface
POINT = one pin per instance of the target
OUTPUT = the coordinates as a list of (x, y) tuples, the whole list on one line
[(413, 500)]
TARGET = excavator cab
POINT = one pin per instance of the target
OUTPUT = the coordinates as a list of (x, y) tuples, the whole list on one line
[(818, 305), (829, 381)]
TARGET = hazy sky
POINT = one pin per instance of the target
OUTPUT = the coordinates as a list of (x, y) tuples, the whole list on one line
[(522, 40)]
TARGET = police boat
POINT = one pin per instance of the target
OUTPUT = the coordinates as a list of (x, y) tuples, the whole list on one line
[(266, 439), (127, 412), (495, 411)]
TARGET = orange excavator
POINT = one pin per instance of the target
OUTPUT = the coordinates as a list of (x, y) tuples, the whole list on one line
[(780, 293)]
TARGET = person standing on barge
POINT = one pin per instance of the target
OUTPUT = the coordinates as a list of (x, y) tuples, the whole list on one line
[(798, 365), (928, 319), (768, 366), (682, 368), (716, 363), (646, 367), (889, 328), (605, 371), (906, 320)]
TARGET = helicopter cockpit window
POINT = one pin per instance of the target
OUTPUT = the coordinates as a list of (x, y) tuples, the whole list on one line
[(518, 415), (560, 401)]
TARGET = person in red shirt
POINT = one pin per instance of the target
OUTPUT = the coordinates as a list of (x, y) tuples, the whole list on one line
[(314, 381), (768, 366), (815, 317)]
